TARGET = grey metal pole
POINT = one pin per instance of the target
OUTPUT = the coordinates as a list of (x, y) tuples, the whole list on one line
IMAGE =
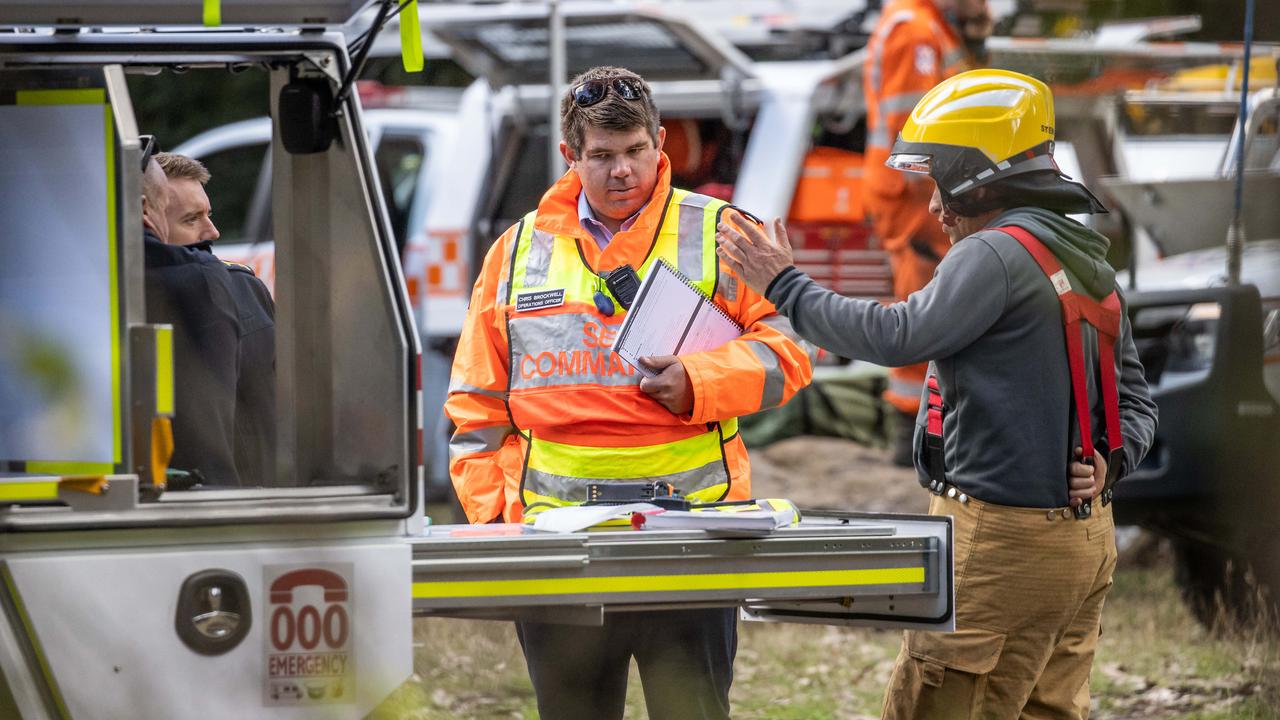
[(556, 53), (1235, 233)]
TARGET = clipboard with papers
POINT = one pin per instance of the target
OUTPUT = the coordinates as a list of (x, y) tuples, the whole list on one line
[(671, 316)]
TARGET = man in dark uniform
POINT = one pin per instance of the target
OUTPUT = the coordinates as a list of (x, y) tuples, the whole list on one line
[(191, 225), (192, 291)]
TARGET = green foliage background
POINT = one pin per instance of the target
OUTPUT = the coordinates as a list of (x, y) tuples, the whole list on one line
[(174, 106)]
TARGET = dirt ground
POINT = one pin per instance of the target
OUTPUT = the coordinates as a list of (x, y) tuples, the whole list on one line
[(1154, 662), (835, 474), (1213, 674)]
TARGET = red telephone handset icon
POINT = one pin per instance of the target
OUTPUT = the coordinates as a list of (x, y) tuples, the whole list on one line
[(335, 588)]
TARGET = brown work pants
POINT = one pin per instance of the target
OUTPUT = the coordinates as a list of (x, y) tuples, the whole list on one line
[(915, 242), (1030, 585)]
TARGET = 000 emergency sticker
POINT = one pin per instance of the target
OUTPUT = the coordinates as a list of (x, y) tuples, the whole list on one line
[(308, 658)]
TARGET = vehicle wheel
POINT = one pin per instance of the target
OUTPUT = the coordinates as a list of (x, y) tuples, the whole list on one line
[(1200, 572), (1223, 591)]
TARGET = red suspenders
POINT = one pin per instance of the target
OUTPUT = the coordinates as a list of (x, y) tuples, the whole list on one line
[(1104, 316)]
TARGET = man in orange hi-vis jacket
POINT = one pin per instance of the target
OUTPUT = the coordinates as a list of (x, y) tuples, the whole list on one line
[(915, 45), (544, 408)]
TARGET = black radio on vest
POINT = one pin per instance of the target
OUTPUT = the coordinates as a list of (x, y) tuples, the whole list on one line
[(624, 283)]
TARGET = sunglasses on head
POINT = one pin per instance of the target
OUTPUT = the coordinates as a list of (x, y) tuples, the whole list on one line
[(593, 91), (149, 147)]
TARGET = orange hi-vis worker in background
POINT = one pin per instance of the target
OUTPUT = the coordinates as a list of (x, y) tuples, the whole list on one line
[(915, 45)]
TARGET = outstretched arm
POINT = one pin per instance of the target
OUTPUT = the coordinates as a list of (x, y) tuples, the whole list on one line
[(966, 296)]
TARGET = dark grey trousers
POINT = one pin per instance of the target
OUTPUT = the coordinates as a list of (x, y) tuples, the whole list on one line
[(685, 658)]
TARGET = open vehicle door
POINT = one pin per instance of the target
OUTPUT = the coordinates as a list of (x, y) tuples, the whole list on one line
[(1204, 313)]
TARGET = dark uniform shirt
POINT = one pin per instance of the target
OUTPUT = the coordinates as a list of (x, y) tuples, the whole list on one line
[(255, 413), (193, 292)]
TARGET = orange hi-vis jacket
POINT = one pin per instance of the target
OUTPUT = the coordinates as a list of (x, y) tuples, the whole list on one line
[(541, 403), (912, 49)]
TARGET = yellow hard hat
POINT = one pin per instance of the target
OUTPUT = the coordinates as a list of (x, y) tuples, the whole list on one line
[(976, 127)]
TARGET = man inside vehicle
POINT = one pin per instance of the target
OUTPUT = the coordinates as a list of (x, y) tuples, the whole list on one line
[(192, 291), (190, 221)]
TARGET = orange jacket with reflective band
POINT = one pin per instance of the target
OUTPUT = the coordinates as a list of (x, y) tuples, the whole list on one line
[(912, 49), (539, 387)]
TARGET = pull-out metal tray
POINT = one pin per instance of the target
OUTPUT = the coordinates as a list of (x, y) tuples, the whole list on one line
[(836, 568)]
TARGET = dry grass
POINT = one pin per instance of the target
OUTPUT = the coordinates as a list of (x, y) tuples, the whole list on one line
[(1155, 662)]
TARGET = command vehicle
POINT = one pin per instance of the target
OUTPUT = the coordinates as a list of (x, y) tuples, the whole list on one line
[(124, 596)]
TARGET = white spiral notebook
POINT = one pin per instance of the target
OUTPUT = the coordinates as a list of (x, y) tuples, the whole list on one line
[(671, 316)]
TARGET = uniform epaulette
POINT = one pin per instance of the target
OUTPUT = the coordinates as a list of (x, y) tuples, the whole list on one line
[(238, 266)]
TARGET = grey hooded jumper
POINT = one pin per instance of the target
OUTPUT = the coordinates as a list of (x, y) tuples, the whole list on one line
[(991, 324)]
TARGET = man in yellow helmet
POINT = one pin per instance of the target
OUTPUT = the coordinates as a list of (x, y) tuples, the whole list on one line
[(1034, 406)]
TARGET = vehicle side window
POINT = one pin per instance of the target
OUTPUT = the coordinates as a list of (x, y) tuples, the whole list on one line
[(235, 172), (400, 160)]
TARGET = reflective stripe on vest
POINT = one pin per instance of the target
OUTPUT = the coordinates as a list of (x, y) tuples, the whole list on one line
[(564, 350), (878, 38), (695, 465)]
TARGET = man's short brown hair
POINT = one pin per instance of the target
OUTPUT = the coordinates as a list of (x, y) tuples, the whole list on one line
[(181, 167), (613, 112)]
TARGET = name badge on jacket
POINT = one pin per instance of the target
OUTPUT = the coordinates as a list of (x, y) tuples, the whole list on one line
[(539, 300)]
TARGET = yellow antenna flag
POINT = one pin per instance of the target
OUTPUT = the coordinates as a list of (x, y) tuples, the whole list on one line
[(410, 37)]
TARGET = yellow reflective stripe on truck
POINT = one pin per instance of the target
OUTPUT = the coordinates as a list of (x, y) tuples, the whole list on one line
[(667, 583), (85, 96), (164, 370), (29, 490), (67, 468), (40, 489), (98, 96), (20, 608), (117, 409)]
